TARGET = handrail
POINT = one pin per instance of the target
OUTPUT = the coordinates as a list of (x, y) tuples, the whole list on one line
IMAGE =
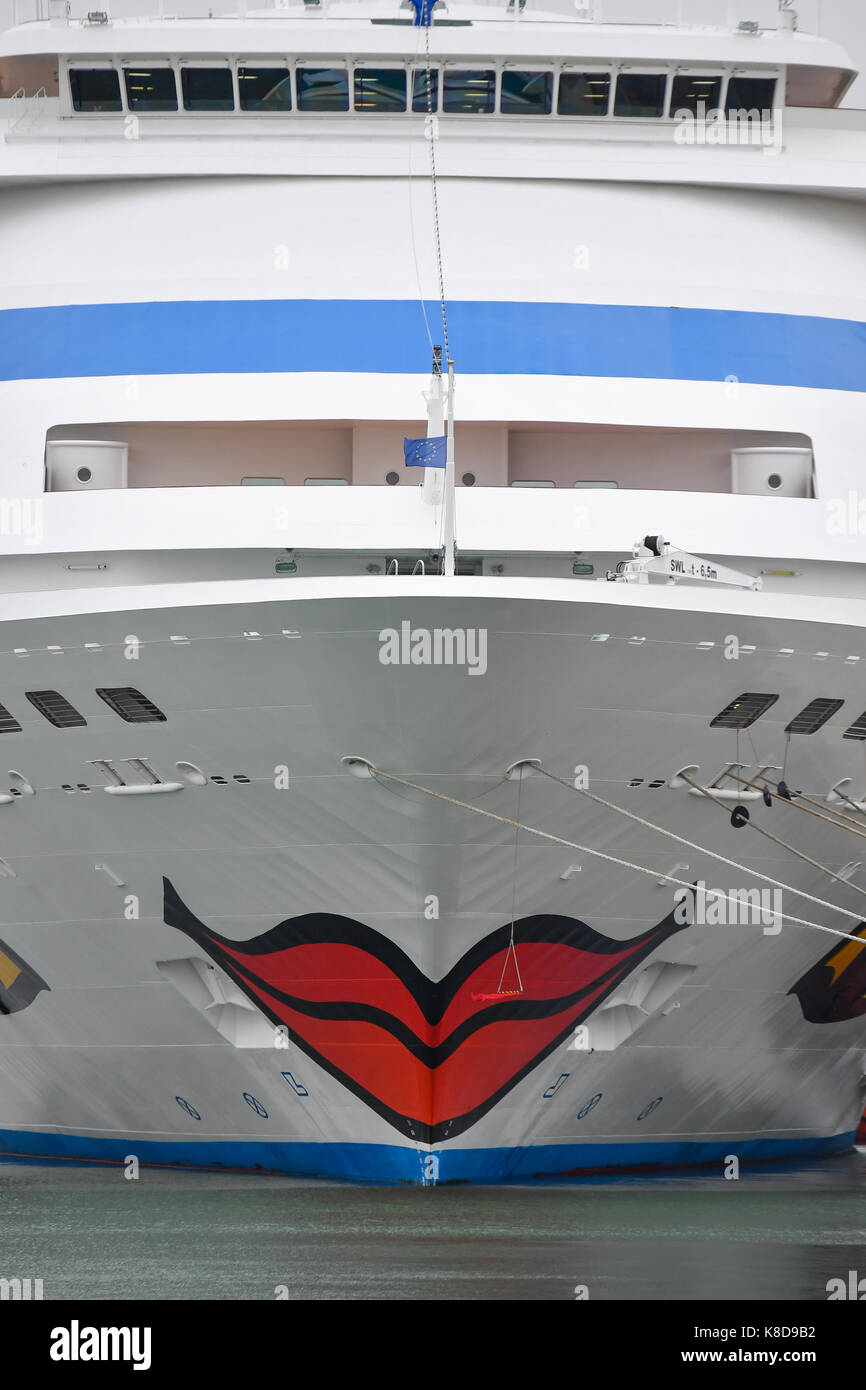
[(27, 118)]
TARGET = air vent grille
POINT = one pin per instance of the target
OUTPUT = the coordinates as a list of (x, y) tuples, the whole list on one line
[(8, 723), (857, 729), (813, 717), (743, 711), (57, 710), (131, 705)]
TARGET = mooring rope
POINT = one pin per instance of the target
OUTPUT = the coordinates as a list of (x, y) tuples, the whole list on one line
[(783, 844), (511, 947), (690, 844), (657, 874), (845, 823)]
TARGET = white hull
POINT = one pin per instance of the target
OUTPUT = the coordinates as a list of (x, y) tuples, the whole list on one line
[(125, 1048)]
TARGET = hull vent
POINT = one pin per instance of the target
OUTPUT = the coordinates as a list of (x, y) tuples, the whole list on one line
[(8, 723), (131, 705), (743, 711), (57, 710), (813, 717)]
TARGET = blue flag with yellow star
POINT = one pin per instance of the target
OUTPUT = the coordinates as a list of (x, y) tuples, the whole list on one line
[(425, 453)]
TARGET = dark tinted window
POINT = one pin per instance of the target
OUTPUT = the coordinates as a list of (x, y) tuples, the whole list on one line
[(689, 92), (95, 89), (265, 89), (207, 89), (323, 89), (380, 89), (526, 93), (150, 89), (583, 94), (640, 94), (750, 94), (469, 91), (419, 90)]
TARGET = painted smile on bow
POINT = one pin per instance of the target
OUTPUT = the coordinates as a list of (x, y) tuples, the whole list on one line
[(430, 1057)]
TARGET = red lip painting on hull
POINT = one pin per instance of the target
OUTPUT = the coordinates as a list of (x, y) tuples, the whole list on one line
[(430, 1057)]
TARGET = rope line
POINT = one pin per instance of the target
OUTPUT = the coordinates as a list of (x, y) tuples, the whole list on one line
[(852, 804), (783, 844), (690, 844), (511, 947), (412, 236), (849, 821), (434, 184), (612, 858), (846, 823)]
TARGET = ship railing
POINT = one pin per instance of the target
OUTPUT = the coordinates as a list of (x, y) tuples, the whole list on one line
[(24, 120)]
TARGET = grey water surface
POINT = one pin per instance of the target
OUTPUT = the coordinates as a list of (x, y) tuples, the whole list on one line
[(778, 1232)]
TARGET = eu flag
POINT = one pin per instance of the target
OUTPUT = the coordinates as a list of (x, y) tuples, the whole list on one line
[(425, 453), (423, 12)]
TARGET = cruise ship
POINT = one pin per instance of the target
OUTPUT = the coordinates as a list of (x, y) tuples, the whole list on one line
[(432, 525)]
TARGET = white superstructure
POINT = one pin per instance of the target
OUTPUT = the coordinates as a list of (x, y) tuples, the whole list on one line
[(219, 303)]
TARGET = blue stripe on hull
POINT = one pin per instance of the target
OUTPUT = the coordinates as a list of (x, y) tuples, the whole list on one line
[(393, 1163), (341, 335)]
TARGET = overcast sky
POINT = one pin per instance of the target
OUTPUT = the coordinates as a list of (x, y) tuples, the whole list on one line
[(842, 20)]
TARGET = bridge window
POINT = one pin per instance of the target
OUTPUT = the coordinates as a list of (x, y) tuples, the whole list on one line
[(640, 94), (469, 92), (150, 89), (689, 92), (526, 93), (264, 89), (95, 89), (323, 89), (207, 89), (380, 89), (750, 94), (584, 94), (419, 90)]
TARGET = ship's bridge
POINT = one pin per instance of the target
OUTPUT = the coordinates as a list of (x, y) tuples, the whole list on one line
[(337, 56)]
